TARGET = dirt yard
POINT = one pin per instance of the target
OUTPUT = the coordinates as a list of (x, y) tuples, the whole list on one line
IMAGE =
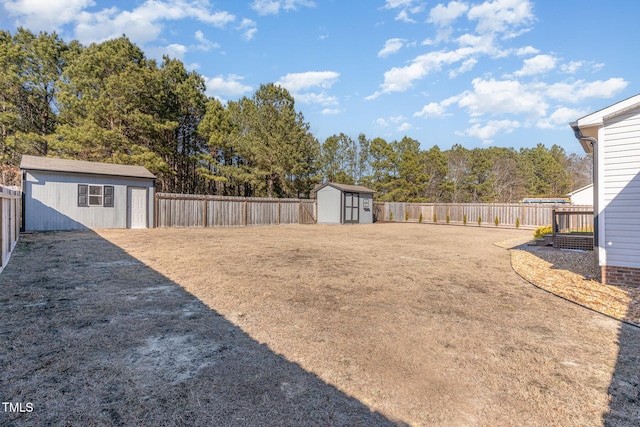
[(383, 324)]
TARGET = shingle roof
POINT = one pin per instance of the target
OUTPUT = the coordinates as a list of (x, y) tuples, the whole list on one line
[(344, 187), (80, 166)]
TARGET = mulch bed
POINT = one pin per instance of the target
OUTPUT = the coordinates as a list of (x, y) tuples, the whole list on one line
[(573, 275)]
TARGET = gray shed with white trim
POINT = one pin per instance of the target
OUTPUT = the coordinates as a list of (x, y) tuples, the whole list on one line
[(60, 194), (344, 204)]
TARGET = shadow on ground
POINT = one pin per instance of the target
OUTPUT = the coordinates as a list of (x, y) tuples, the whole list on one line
[(91, 336), (624, 390)]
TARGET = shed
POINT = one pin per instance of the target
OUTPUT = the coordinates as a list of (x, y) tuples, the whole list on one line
[(344, 204), (582, 196), (613, 136), (61, 194)]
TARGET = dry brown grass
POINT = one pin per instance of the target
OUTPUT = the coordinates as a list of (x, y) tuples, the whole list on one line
[(423, 324)]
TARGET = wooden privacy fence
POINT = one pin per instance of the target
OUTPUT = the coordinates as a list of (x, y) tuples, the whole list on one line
[(10, 218), (188, 210), (528, 215)]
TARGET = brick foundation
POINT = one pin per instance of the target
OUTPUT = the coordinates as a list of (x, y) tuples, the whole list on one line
[(625, 276)]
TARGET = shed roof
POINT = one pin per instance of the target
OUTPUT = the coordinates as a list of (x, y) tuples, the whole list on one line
[(344, 187), (83, 167)]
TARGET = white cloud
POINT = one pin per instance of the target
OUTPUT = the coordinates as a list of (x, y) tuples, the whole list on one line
[(381, 122), (393, 4), (231, 86), (175, 50), (38, 15), (487, 132), (527, 50), (580, 90), (272, 7), (144, 23), (432, 109), (501, 16), (294, 82), (404, 127), (400, 79), (560, 118), (442, 15), (503, 97), (266, 7), (399, 122), (406, 8), (465, 67), (572, 67), (249, 28), (204, 44), (315, 98), (298, 84), (537, 65), (391, 46), (330, 111), (396, 119)]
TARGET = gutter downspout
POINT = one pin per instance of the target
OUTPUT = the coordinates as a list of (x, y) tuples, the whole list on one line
[(594, 146)]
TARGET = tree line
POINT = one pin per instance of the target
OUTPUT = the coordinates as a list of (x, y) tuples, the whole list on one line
[(108, 102)]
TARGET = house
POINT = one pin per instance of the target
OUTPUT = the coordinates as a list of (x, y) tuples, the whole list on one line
[(63, 194), (344, 204), (612, 135), (582, 196)]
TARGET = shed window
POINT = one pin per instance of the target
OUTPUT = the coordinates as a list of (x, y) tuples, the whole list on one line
[(95, 195)]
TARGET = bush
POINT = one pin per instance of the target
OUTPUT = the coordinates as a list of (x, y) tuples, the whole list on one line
[(390, 216), (542, 231), (420, 219), (435, 218), (406, 216), (517, 222), (464, 219), (496, 221), (448, 219), (479, 220)]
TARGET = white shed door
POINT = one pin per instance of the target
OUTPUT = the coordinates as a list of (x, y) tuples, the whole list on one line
[(136, 207)]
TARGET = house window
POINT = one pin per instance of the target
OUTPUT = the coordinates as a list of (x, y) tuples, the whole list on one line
[(95, 195)]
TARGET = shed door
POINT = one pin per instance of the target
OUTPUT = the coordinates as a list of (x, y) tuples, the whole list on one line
[(136, 207), (351, 208)]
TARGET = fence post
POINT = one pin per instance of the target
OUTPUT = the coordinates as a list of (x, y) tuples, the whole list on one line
[(244, 214), (3, 236), (155, 211), (204, 212)]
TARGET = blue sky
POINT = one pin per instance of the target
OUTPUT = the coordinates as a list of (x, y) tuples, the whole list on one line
[(508, 73)]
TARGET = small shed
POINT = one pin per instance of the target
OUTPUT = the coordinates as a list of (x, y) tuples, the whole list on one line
[(582, 196), (344, 204), (60, 194), (612, 135)]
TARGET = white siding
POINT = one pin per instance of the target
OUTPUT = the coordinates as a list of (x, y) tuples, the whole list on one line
[(329, 205), (620, 190), (583, 197), (51, 201)]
